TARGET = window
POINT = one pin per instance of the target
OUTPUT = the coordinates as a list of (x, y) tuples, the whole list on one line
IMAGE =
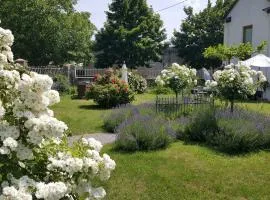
[(247, 34)]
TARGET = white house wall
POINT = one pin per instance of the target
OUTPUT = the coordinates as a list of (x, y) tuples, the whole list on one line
[(245, 13)]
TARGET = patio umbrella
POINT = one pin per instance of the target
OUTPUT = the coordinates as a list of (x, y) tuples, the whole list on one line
[(260, 62)]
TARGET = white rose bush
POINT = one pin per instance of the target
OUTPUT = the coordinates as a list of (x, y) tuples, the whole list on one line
[(178, 78), (236, 82), (36, 159)]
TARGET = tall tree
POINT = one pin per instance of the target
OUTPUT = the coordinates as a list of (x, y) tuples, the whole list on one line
[(48, 30), (133, 33), (199, 31)]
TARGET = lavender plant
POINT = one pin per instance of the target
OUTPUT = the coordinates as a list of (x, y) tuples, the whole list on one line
[(144, 133), (124, 112)]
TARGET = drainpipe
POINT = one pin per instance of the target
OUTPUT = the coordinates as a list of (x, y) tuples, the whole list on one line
[(268, 42)]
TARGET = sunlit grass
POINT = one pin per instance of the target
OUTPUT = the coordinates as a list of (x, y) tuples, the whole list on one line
[(84, 116), (188, 172)]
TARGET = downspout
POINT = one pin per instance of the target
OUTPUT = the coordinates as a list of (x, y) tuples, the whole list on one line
[(268, 49)]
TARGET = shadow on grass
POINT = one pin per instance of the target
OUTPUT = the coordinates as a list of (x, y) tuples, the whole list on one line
[(91, 107), (224, 153)]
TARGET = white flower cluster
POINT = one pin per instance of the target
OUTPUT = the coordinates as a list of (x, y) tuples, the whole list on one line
[(51, 191), (35, 96), (2, 110), (92, 164), (6, 41), (33, 143), (236, 80), (177, 77), (44, 127)]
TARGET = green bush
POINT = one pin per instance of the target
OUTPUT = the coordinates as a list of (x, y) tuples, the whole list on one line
[(109, 91), (238, 132), (143, 133), (161, 90), (137, 83), (236, 136), (118, 115), (115, 118), (202, 125), (61, 84)]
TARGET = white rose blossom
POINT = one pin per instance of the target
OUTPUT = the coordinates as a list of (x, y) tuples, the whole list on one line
[(34, 142), (236, 81), (177, 77)]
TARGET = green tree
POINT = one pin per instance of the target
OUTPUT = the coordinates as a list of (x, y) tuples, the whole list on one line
[(199, 31), (242, 51), (48, 30), (133, 33)]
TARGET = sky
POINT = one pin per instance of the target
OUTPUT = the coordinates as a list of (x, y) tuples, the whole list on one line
[(171, 17)]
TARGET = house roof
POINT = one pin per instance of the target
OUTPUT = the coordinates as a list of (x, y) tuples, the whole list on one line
[(229, 11)]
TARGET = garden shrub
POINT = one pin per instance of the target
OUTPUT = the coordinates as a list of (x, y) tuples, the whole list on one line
[(238, 132), (203, 124), (236, 136), (241, 131), (109, 91), (137, 83), (143, 133), (162, 90), (61, 84), (115, 118), (124, 112), (36, 159), (178, 78)]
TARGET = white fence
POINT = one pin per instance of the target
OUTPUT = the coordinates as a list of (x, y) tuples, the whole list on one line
[(79, 74)]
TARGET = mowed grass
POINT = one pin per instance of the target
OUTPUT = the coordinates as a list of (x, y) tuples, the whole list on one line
[(84, 116), (262, 107), (186, 172)]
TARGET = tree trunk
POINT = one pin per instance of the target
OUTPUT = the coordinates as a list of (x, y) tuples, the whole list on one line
[(232, 105)]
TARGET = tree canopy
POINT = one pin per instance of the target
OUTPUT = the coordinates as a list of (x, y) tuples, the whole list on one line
[(199, 31), (48, 30), (132, 33), (242, 51)]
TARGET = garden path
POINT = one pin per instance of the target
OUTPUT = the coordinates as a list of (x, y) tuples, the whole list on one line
[(104, 138)]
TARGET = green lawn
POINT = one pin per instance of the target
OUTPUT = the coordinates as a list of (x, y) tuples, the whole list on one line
[(189, 172), (83, 117)]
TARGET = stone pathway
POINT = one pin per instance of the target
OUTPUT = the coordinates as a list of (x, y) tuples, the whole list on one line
[(104, 138)]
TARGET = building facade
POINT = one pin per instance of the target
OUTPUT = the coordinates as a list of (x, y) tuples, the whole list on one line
[(248, 21)]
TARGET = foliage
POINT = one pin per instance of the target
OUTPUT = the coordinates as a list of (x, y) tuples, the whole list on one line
[(161, 90), (36, 160), (143, 133), (61, 84), (199, 31), (63, 33), (236, 82), (137, 83), (242, 51), (133, 33), (117, 116), (241, 131), (177, 78), (238, 132), (201, 126), (109, 91)]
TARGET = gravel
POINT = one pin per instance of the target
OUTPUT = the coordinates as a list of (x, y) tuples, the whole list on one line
[(104, 138)]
